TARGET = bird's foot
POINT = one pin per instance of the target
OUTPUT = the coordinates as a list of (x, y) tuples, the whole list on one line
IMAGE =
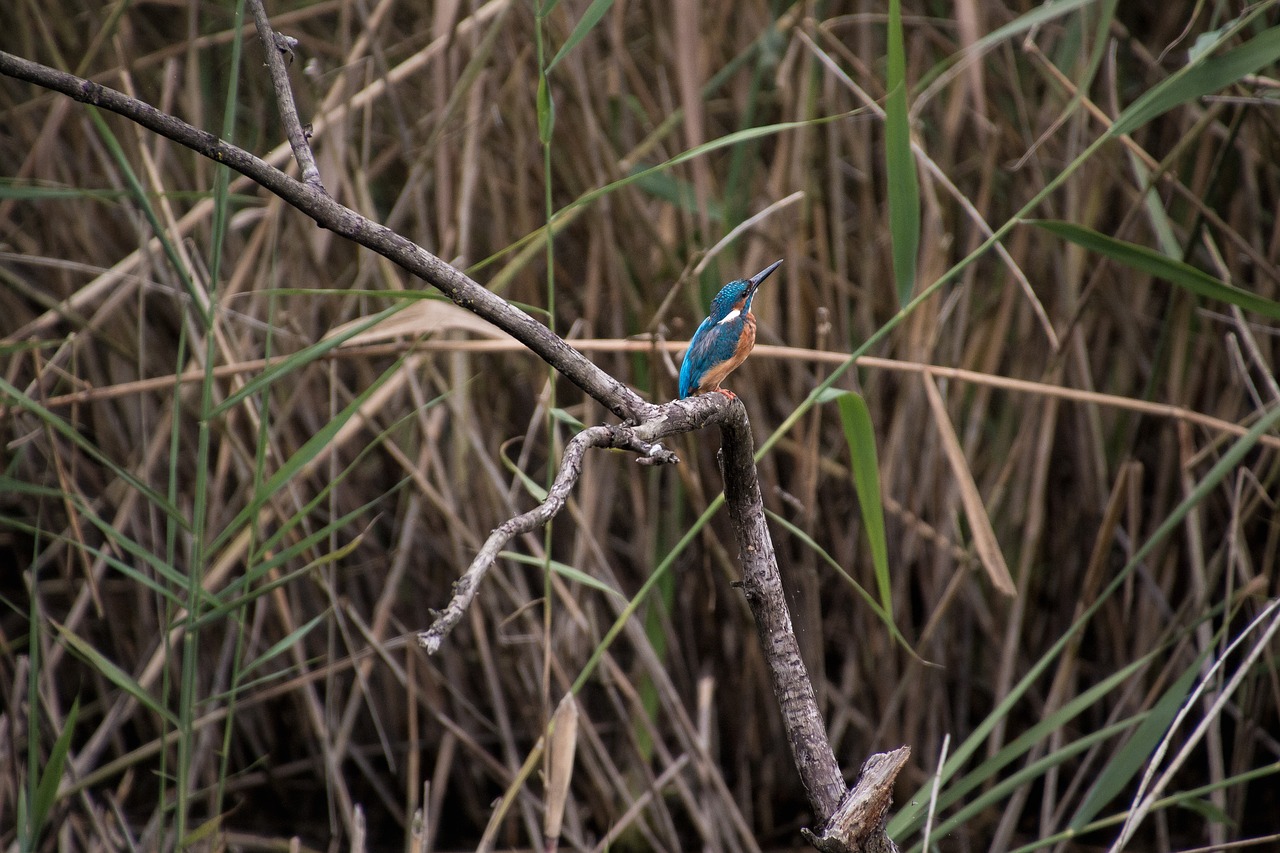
[(727, 393)]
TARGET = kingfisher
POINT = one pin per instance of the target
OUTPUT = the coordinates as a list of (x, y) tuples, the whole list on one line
[(724, 339)]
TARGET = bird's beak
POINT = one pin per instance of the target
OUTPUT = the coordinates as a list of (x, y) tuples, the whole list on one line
[(762, 275)]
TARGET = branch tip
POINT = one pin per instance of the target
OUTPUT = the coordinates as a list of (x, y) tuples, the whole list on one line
[(429, 641), (857, 826)]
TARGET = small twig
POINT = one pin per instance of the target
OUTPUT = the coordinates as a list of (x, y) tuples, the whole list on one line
[(345, 222), (464, 589), (275, 46)]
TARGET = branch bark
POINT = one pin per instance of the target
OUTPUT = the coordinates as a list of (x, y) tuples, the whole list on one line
[(276, 47), (850, 820), (858, 824), (345, 222), (762, 584), (847, 823)]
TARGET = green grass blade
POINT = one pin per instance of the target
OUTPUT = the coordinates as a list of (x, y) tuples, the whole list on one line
[(1210, 812), (564, 570), (163, 569), (18, 190), (51, 776), (108, 670), (305, 356), (1161, 266), (546, 111), (160, 231), (1037, 17), (15, 190), (569, 420), (855, 420), (125, 568), (900, 164), (12, 396), (585, 25), (1130, 758), (1028, 21), (727, 141), (539, 492), (300, 459), (283, 545), (883, 615), (29, 830), (283, 644), (232, 600), (204, 835), (1161, 222), (1203, 78), (677, 192)]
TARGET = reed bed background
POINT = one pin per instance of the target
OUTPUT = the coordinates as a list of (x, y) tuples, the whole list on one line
[(218, 541)]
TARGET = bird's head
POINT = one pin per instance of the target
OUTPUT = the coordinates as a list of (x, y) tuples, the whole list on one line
[(737, 295)]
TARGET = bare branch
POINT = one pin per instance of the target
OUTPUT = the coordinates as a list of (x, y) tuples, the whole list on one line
[(806, 733), (345, 222), (276, 46), (677, 417)]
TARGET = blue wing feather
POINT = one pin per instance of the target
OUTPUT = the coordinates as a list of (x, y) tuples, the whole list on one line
[(695, 362), (712, 344)]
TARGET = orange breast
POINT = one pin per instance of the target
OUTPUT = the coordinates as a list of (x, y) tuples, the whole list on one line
[(746, 342)]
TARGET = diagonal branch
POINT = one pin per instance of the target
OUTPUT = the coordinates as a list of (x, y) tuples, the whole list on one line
[(345, 222)]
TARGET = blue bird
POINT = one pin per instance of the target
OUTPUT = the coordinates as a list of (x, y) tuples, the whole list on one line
[(724, 339)]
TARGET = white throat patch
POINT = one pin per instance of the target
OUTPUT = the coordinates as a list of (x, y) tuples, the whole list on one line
[(730, 317)]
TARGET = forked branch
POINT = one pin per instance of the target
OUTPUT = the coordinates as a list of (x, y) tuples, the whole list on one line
[(848, 821)]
